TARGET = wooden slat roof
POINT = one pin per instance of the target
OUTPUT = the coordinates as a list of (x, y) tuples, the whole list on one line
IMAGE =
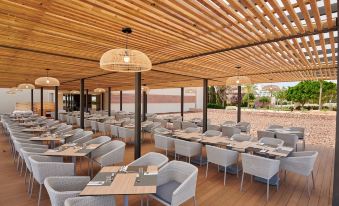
[(274, 40)]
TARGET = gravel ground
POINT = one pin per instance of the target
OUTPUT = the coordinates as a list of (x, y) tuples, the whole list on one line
[(320, 126)]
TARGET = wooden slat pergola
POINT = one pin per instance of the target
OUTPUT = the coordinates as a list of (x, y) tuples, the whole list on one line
[(187, 41)]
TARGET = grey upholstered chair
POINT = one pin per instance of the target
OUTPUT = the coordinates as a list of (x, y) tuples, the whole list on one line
[(125, 133), (151, 158), (161, 130), (176, 183), (109, 153), (94, 126), (61, 188), (241, 137), (222, 157), (228, 131), (227, 123), (259, 166), (301, 135), (177, 125), (272, 141), (85, 138), (262, 134), (91, 201), (45, 166), (290, 140), (186, 124), (114, 131), (164, 143), (212, 133), (301, 163), (192, 129)]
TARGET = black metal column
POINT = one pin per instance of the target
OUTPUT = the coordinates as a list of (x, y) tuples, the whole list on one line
[(41, 101), (144, 105), (82, 103), (204, 110), (120, 100), (335, 195), (56, 103), (32, 100), (102, 102), (182, 102), (86, 107), (66, 102), (239, 104), (109, 96), (137, 112)]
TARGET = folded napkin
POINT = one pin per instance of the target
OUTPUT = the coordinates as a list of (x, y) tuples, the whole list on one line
[(150, 173), (263, 151), (51, 150), (96, 183)]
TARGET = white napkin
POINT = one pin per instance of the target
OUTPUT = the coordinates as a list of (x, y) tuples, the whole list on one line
[(263, 151), (150, 173), (96, 183)]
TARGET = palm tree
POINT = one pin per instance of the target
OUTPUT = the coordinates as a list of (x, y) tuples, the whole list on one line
[(250, 89)]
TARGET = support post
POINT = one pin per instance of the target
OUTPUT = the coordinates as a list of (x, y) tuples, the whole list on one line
[(102, 102), (144, 105), (335, 195), (32, 100), (204, 110), (86, 109), (56, 103), (120, 100), (82, 101), (41, 101), (182, 102), (239, 104), (137, 113), (109, 100)]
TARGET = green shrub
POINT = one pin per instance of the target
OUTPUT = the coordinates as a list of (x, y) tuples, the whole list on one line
[(215, 106)]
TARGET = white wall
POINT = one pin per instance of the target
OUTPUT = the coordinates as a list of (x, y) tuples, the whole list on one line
[(8, 101), (154, 107)]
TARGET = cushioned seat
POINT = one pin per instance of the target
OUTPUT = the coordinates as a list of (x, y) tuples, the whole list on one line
[(165, 191)]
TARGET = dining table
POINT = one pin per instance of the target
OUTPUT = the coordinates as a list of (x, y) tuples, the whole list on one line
[(123, 180), (51, 138), (286, 131)]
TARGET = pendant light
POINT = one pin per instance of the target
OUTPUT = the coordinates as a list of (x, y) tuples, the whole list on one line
[(145, 89), (99, 90), (125, 60), (26, 86), (238, 80), (47, 81)]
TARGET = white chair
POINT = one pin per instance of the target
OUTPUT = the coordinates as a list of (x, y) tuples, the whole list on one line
[(102, 128), (91, 201), (271, 141), (301, 163), (99, 140), (125, 133), (177, 125), (114, 131), (187, 149), (262, 134), (259, 166), (192, 129), (185, 125), (290, 140), (212, 133), (244, 126), (228, 131), (44, 166), (162, 121), (229, 123), (222, 157), (301, 135), (78, 121), (241, 137), (151, 158), (61, 188), (94, 126), (109, 154), (213, 127), (176, 183), (163, 142), (88, 135)]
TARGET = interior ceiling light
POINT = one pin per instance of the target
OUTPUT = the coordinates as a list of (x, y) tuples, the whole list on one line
[(47, 81), (125, 60)]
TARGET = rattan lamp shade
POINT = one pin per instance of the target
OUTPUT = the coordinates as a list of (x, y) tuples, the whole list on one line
[(26, 86), (47, 82), (75, 92), (238, 80), (15, 89), (99, 90), (125, 60), (271, 88), (145, 89)]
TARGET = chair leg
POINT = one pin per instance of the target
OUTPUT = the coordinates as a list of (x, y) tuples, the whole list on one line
[(268, 190), (242, 181), (22, 167), (304, 144), (225, 175), (206, 170), (25, 175), (308, 187), (39, 195), (195, 201), (189, 160), (32, 184), (313, 180)]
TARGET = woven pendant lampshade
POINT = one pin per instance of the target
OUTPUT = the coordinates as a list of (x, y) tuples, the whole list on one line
[(271, 88), (145, 89), (99, 90), (125, 60), (74, 92), (47, 81), (190, 91), (26, 86), (238, 80), (16, 89)]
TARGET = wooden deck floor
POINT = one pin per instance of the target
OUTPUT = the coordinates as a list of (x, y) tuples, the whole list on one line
[(210, 191)]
